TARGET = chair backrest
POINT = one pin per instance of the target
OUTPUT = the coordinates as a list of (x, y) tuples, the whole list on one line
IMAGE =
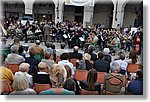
[(5, 87), (132, 68), (86, 92), (100, 77), (73, 61), (81, 75), (41, 87), (14, 67)]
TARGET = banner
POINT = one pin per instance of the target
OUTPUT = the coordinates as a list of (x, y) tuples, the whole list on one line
[(80, 2)]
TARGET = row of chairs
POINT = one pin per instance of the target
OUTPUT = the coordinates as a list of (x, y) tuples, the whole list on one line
[(6, 89)]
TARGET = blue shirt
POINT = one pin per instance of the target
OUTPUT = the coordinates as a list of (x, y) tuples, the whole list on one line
[(51, 92), (136, 87)]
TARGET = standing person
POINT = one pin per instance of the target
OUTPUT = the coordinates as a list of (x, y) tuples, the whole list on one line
[(57, 76), (46, 30)]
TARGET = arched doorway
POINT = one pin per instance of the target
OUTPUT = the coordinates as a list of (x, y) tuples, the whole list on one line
[(73, 13), (103, 12), (13, 9), (133, 13), (44, 10)]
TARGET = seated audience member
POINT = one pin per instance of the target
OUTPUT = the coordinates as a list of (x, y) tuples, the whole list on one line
[(5, 73), (132, 57), (38, 50), (70, 85), (14, 57), (69, 72), (85, 63), (17, 43), (75, 53), (57, 76), (23, 69), (135, 87), (90, 51), (42, 77), (64, 57), (32, 62), (91, 84), (122, 63), (101, 65), (48, 58), (21, 86), (69, 76), (113, 82), (107, 57)]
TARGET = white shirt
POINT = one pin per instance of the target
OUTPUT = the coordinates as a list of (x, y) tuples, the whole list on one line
[(66, 62), (123, 64)]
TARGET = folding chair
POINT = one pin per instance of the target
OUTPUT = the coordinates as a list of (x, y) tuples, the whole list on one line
[(86, 92), (41, 87), (132, 68), (14, 67), (81, 75), (5, 87), (100, 77)]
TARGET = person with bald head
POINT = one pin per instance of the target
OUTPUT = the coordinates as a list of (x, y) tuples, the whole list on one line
[(75, 53)]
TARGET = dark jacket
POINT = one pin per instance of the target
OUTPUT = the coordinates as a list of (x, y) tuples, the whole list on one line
[(88, 65), (75, 55), (42, 79), (101, 65)]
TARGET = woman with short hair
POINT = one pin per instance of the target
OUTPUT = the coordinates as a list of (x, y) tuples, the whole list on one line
[(21, 86)]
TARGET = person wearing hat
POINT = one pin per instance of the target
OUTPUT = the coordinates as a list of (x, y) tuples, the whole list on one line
[(57, 76)]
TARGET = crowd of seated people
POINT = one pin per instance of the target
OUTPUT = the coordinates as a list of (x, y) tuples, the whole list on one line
[(61, 75)]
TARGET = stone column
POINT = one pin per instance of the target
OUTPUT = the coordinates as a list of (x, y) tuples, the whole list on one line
[(88, 16), (59, 9), (28, 6), (118, 12), (1, 11)]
